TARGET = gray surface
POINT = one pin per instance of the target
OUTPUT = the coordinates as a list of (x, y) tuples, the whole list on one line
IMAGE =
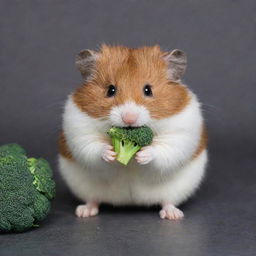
[(38, 41)]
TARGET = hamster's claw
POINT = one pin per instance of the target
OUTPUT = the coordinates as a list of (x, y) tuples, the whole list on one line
[(87, 210), (145, 155), (108, 154), (170, 212)]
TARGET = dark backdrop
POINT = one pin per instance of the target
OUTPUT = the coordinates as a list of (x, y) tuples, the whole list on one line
[(38, 42)]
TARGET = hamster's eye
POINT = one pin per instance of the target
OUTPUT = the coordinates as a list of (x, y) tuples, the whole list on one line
[(111, 91), (147, 90)]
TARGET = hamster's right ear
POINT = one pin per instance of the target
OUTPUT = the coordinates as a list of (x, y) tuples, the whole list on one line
[(85, 62), (177, 62)]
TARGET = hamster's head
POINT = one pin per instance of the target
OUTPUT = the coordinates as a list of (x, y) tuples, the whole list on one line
[(131, 87)]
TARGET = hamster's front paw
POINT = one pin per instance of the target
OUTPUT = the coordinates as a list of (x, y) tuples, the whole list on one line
[(145, 155), (108, 154)]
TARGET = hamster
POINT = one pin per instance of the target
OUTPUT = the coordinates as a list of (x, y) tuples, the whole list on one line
[(132, 87)]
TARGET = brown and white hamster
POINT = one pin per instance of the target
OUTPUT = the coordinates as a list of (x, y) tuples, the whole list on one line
[(132, 87)]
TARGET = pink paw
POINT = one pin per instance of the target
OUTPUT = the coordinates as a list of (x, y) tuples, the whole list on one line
[(87, 210), (170, 212), (108, 154), (145, 155)]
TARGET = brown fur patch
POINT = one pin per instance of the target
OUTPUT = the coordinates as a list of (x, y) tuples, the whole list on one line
[(202, 143), (130, 70), (63, 147)]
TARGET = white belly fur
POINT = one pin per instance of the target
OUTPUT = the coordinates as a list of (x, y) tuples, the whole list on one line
[(141, 185)]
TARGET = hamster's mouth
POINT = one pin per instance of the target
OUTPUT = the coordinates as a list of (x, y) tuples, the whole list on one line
[(130, 126), (129, 114)]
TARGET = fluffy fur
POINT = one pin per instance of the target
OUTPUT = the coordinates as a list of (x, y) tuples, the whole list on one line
[(130, 70), (171, 176), (166, 172)]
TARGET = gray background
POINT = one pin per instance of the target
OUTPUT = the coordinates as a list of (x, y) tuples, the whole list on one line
[(38, 41)]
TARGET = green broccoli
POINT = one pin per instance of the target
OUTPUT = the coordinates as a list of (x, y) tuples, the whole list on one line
[(128, 140), (26, 188), (42, 173)]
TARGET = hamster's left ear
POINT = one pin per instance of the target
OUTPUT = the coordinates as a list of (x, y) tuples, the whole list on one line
[(177, 62), (85, 62)]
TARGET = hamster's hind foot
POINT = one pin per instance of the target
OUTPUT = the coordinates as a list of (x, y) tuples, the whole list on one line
[(170, 212), (87, 210)]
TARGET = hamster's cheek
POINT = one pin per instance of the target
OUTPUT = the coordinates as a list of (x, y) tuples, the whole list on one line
[(168, 101), (90, 99)]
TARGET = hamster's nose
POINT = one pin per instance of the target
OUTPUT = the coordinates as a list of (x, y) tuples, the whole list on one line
[(129, 118)]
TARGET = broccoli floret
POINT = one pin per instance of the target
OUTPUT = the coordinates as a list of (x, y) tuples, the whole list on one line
[(42, 173), (12, 149), (24, 196), (129, 140)]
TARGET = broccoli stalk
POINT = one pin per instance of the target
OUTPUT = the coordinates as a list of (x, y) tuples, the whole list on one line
[(129, 140), (116, 144), (125, 149)]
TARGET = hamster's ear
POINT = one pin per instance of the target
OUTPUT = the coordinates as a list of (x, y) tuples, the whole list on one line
[(85, 62), (177, 62)]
